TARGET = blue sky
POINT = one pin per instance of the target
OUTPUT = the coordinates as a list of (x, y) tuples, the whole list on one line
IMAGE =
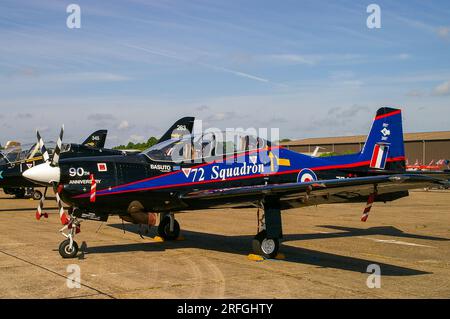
[(311, 68)]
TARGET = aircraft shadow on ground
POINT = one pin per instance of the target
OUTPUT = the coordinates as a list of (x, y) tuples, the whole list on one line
[(242, 245)]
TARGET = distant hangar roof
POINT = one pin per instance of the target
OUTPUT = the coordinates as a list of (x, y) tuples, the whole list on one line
[(408, 137)]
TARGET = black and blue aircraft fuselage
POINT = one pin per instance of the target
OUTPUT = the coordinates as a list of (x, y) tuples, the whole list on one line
[(184, 174)]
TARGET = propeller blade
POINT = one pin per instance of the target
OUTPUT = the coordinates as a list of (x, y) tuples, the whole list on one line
[(57, 152), (62, 213), (42, 147), (39, 213)]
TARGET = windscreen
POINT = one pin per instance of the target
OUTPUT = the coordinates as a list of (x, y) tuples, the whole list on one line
[(207, 145)]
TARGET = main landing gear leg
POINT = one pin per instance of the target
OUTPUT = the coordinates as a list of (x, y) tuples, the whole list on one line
[(168, 228), (267, 242), (69, 247)]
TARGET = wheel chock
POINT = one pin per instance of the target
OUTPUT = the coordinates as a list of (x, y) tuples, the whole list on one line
[(254, 257), (158, 239), (180, 238)]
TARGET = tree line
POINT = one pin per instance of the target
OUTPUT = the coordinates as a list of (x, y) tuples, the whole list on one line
[(138, 146), (149, 143)]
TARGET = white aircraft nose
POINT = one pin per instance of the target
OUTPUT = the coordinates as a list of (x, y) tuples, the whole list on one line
[(43, 174)]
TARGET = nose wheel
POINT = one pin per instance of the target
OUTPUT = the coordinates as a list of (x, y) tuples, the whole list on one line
[(66, 250), (168, 228), (69, 247)]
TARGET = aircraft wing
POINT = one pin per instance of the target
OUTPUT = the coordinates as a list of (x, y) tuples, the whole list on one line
[(322, 191)]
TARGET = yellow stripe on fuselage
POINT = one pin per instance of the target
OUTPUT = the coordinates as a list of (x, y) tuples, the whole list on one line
[(284, 162)]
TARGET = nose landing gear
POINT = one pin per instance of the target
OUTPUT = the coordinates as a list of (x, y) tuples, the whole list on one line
[(69, 247), (68, 250)]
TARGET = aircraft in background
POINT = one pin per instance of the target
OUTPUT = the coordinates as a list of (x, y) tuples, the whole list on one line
[(16, 159), (439, 165), (173, 177)]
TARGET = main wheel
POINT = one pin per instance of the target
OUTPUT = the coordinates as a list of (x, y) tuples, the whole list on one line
[(37, 195), (266, 247), (65, 251), (164, 229)]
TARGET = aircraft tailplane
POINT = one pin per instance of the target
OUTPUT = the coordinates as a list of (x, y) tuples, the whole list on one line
[(384, 148), (96, 139), (181, 127)]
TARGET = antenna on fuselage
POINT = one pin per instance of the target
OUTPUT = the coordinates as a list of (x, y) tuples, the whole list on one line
[(316, 151)]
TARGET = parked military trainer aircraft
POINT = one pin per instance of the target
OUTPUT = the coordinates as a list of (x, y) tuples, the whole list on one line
[(193, 173)]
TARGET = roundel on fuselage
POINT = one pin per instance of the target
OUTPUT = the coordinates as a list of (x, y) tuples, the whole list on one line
[(306, 175)]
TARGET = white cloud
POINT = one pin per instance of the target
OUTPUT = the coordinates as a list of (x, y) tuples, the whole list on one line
[(442, 89), (444, 32), (289, 58), (403, 56), (202, 108), (123, 125), (43, 129), (31, 74), (137, 138), (24, 116), (414, 93), (174, 56), (220, 116), (87, 77), (101, 117)]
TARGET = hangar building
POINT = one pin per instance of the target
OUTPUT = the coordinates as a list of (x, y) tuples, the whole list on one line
[(421, 147)]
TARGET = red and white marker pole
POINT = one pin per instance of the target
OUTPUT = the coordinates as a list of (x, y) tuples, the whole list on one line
[(366, 212), (93, 189)]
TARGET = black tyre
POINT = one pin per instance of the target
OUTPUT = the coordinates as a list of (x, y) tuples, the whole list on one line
[(65, 251), (164, 229), (37, 195), (266, 247)]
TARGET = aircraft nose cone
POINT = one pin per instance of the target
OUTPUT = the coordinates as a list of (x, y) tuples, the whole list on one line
[(43, 174)]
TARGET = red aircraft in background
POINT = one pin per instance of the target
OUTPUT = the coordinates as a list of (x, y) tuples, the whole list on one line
[(439, 165)]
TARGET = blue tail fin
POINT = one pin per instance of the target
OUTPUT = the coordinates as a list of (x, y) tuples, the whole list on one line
[(384, 148)]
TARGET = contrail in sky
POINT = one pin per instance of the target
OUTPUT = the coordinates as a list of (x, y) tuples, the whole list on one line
[(210, 66)]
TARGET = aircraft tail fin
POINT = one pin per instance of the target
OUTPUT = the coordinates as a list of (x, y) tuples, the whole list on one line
[(384, 148), (181, 127), (96, 139)]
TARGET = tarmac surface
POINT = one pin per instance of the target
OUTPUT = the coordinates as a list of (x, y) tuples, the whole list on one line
[(327, 251)]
